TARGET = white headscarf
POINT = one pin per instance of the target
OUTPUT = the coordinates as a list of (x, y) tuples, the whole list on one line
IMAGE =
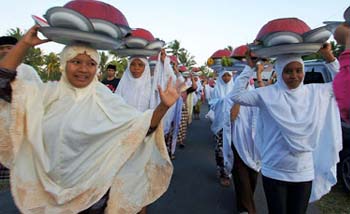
[(294, 110), (162, 73), (67, 146), (218, 104), (280, 63), (309, 120), (138, 92), (221, 88)]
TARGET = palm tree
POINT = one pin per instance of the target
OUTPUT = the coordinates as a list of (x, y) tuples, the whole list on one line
[(103, 62), (52, 68), (186, 59), (15, 32), (229, 47), (337, 48), (175, 48), (120, 62)]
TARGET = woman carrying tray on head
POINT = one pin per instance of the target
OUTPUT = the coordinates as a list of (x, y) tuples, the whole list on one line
[(218, 105), (136, 87), (298, 134), (71, 143)]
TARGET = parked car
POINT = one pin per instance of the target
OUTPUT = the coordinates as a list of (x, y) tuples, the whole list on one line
[(317, 72)]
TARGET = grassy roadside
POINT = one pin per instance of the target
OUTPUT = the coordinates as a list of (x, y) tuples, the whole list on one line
[(4, 184), (336, 202)]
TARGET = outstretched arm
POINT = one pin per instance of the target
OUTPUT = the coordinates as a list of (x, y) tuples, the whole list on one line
[(11, 61), (239, 94), (17, 53)]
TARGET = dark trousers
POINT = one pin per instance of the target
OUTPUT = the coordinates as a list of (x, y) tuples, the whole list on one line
[(219, 156), (286, 197), (245, 180), (99, 207)]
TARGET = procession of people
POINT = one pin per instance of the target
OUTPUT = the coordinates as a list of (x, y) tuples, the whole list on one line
[(87, 145)]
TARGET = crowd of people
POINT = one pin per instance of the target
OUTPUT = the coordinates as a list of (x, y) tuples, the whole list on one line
[(81, 145)]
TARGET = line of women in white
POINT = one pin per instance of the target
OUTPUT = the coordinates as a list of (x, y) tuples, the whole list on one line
[(72, 143)]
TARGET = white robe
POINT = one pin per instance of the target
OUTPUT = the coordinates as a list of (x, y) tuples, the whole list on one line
[(241, 134), (28, 73), (308, 121), (140, 92), (66, 147), (162, 73)]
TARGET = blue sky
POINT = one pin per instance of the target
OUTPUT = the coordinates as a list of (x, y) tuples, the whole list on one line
[(202, 27)]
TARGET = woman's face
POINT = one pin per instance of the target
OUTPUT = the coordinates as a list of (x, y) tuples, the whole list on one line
[(226, 77), (81, 70), (293, 74), (137, 67)]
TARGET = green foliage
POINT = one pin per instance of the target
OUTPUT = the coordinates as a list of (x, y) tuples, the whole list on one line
[(121, 65), (17, 33), (34, 56), (335, 202), (103, 61), (174, 48), (182, 54), (312, 56), (230, 48), (4, 184), (51, 71), (226, 61), (336, 48), (120, 62)]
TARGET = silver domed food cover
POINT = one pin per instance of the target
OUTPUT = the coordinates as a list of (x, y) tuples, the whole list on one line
[(288, 36), (140, 42), (85, 22)]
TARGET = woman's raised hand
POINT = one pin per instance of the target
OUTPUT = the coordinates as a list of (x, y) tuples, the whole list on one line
[(31, 38), (172, 92)]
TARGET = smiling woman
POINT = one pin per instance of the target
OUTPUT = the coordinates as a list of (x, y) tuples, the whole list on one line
[(298, 138), (80, 70), (76, 142), (293, 74)]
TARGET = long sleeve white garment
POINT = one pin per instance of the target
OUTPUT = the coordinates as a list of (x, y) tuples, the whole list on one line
[(286, 161), (278, 162), (66, 147), (333, 67), (28, 73)]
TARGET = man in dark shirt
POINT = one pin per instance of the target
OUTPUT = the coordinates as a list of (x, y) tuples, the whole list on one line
[(111, 82)]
